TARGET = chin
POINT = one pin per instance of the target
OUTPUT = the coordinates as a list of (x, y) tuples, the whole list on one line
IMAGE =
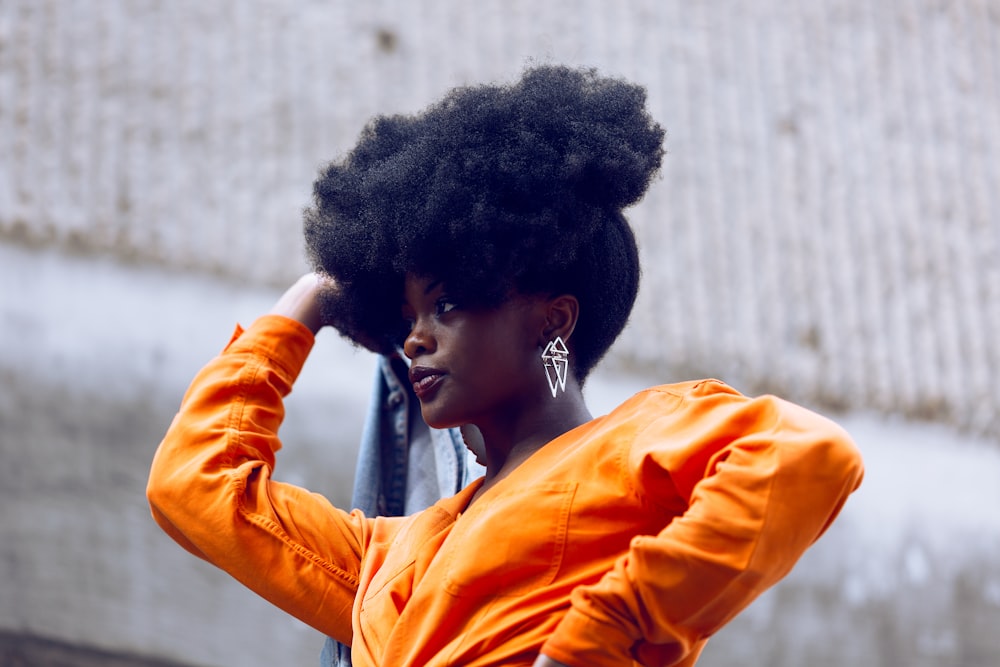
[(436, 418)]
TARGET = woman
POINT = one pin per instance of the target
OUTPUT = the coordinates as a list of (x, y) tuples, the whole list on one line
[(485, 237)]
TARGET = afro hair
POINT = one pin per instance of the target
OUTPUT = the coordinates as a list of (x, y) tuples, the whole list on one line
[(495, 189)]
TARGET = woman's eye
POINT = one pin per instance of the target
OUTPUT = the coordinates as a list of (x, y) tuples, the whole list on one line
[(445, 306)]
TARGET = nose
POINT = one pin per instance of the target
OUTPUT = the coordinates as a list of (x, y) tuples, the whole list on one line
[(420, 340)]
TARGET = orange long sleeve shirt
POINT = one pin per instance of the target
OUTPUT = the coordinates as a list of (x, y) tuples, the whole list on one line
[(633, 537)]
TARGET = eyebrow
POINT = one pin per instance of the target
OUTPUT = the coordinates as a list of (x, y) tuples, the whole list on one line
[(427, 290)]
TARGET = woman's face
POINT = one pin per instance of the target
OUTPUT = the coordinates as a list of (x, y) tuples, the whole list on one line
[(472, 365)]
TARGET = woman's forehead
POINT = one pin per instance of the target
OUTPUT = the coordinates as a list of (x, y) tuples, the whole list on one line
[(417, 288)]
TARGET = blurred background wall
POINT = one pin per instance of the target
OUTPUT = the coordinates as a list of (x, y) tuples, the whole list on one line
[(826, 227)]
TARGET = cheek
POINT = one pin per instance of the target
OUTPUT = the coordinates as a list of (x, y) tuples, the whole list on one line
[(499, 350), (509, 358)]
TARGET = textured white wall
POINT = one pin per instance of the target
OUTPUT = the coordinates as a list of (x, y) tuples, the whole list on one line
[(827, 227), (827, 224)]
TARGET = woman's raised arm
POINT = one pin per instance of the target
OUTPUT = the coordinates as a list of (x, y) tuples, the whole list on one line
[(211, 487)]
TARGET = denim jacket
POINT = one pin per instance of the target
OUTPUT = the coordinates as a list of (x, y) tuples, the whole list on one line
[(403, 465)]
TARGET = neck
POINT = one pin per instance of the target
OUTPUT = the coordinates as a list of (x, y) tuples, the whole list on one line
[(510, 439)]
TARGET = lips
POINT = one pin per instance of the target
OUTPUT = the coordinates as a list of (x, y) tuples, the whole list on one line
[(425, 381)]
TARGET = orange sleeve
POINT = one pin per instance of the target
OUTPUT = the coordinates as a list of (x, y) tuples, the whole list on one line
[(762, 479), (210, 486)]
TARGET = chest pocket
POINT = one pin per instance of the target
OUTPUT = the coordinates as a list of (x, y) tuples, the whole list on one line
[(510, 545)]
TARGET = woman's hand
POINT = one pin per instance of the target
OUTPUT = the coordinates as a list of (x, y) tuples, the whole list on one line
[(545, 661), (301, 301)]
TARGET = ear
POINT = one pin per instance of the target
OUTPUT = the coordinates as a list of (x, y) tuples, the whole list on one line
[(561, 314)]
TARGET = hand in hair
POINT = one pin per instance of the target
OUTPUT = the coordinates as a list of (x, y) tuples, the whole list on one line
[(301, 301)]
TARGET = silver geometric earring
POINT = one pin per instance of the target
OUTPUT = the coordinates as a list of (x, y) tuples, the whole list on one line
[(555, 359)]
